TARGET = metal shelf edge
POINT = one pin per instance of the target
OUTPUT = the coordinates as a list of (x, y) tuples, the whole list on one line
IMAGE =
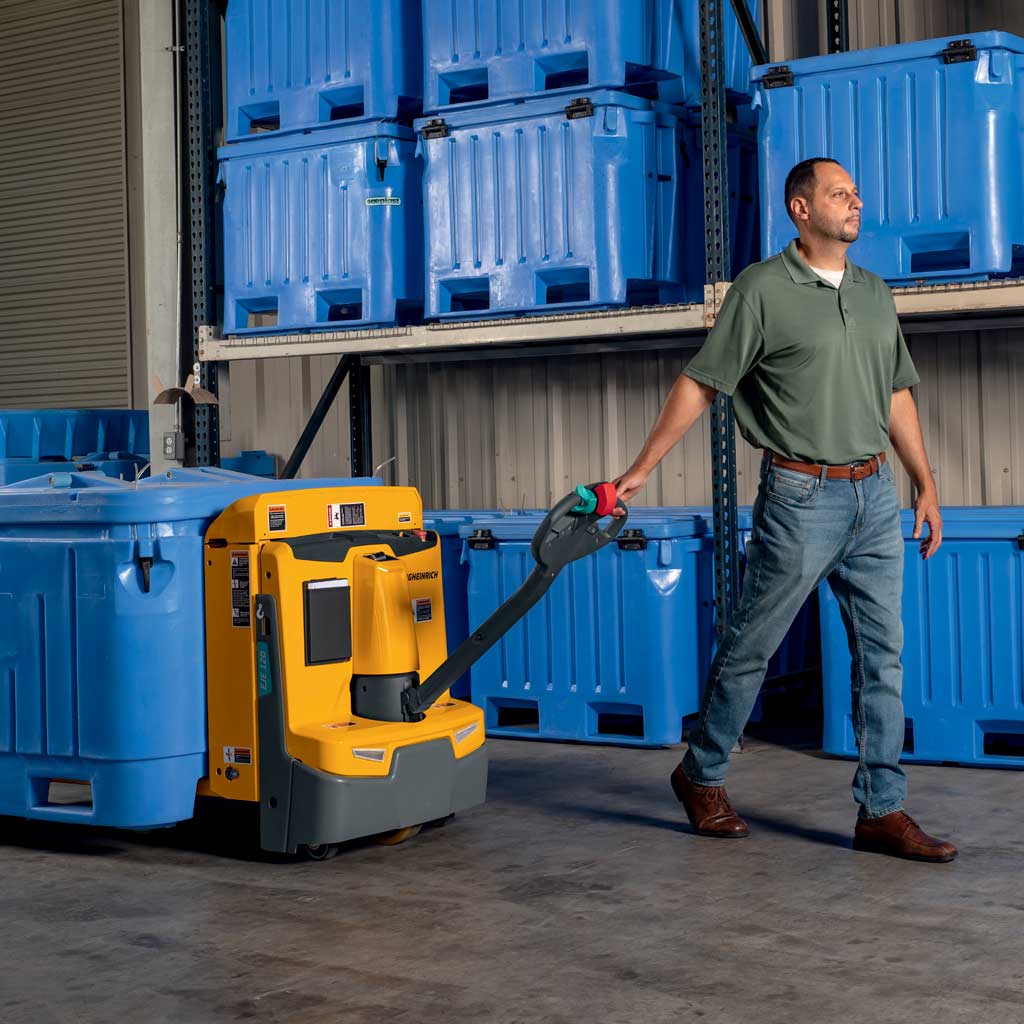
[(992, 299)]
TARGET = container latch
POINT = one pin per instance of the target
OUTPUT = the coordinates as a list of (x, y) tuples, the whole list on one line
[(146, 565), (631, 540), (777, 77), (959, 52), (435, 128), (482, 540), (581, 107)]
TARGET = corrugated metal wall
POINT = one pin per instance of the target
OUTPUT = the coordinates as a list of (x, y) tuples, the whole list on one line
[(63, 199), (520, 432)]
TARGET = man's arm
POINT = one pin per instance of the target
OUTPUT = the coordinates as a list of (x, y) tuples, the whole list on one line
[(905, 434), (683, 407)]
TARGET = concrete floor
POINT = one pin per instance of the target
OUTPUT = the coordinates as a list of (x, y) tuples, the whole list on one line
[(575, 895)]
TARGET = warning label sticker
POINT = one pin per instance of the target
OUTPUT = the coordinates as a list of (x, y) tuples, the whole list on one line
[(404, 517), (422, 609), (353, 514), (238, 755), (276, 518), (240, 602)]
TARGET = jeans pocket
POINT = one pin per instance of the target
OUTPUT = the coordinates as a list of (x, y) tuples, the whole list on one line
[(791, 487)]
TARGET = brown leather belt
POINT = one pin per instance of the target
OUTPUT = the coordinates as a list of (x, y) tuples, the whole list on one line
[(860, 471)]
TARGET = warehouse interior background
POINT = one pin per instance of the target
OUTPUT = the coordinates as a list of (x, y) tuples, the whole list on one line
[(576, 892), (91, 320)]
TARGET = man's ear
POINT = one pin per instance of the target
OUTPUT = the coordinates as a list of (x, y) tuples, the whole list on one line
[(799, 208)]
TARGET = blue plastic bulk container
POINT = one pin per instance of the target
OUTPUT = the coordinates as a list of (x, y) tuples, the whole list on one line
[(65, 435), (546, 206), (102, 654), (614, 653), (293, 65), (963, 655), (491, 50), (255, 463), (322, 231), (930, 133)]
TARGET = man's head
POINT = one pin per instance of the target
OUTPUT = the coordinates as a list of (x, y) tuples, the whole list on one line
[(822, 200)]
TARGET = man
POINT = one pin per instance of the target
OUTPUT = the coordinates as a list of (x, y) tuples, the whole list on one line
[(809, 346)]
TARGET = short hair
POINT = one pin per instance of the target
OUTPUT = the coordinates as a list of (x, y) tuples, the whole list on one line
[(800, 180)]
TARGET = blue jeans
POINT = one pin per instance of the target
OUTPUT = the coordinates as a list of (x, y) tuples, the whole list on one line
[(808, 529)]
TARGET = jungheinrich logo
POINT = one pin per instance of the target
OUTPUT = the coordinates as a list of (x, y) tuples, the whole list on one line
[(422, 575)]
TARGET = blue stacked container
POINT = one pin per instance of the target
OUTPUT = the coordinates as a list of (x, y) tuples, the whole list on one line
[(913, 124), (963, 655), (255, 463), (617, 650), (493, 51), (295, 66), (552, 205), (322, 207), (468, 603), (114, 442), (322, 230), (103, 654)]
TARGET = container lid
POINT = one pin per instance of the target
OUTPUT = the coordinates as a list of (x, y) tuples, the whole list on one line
[(315, 138), (891, 54), (446, 522), (179, 494), (988, 522), (655, 523), (471, 114)]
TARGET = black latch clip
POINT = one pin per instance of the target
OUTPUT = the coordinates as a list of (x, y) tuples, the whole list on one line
[(146, 566), (959, 52), (436, 128), (777, 77), (482, 540), (631, 540), (581, 107)]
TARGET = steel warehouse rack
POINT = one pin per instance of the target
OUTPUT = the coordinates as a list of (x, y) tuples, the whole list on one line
[(933, 308)]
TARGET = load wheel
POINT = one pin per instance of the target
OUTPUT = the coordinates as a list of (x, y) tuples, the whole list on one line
[(318, 851), (400, 835)]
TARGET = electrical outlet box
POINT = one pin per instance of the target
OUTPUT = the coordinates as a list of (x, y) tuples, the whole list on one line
[(174, 445)]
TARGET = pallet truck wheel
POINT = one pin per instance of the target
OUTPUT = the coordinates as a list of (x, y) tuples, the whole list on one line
[(400, 835), (319, 851)]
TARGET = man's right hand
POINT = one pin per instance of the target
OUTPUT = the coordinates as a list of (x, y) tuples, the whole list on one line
[(629, 484)]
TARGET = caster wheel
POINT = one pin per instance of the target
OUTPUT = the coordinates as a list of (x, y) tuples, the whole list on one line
[(400, 835), (319, 851)]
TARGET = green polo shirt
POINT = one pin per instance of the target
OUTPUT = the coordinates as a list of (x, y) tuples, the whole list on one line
[(811, 368)]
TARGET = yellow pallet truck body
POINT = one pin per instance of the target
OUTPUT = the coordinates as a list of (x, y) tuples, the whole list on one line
[(327, 667)]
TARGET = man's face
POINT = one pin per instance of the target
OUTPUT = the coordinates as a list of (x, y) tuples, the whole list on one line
[(833, 211)]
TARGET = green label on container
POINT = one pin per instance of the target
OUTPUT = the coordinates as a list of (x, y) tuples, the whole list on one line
[(263, 677)]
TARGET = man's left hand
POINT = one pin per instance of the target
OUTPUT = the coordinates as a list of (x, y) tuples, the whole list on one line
[(926, 510)]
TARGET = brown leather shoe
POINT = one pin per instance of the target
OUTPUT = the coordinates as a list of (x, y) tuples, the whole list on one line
[(898, 835), (708, 808)]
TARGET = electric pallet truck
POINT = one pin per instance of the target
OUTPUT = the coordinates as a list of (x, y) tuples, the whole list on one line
[(327, 680)]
